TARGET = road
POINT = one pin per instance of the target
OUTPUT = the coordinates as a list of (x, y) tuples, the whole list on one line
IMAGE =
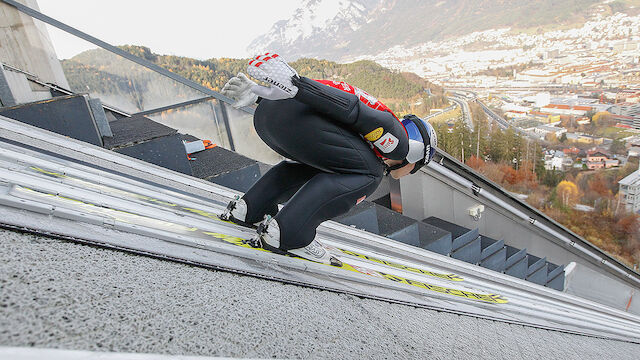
[(464, 106)]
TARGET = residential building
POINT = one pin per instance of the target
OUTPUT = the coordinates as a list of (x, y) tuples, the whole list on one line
[(572, 151), (600, 160), (633, 151), (554, 160), (543, 130), (584, 138), (629, 191), (628, 114), (576, 110)]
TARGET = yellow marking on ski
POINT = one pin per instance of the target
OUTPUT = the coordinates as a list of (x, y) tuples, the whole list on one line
[(239, 242), (452, 277), (490, 298), (52, 173), (202, 213), (161, 202)]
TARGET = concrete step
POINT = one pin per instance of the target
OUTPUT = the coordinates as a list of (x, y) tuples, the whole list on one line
[(147, 140), (167, 151), (489, 246), (537, 271), (461, 236), (518, 269), (514, 255), (225, 167), (470, 252), (516, 263), (66, 115), (425, 236), (375, 218), (539, 276), (496, 261), (535, 263), (370, 216), (555, 276)]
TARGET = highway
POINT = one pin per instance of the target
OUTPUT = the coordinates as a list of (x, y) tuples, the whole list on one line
[(464, 106), (463, 96)]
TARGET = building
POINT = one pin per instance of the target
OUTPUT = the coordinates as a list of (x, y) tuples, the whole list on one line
[(627, 114), (600, 160), (576, 110), (633, 151), (544, 130), (555, 160), (585, 139), (572, 151), (629, 189)]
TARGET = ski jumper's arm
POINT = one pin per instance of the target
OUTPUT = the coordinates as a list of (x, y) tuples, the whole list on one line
[(358, 111)]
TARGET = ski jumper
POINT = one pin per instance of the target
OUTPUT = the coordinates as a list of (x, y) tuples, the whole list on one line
[(334, 137)]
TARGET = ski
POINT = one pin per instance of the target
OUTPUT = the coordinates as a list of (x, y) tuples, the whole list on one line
[(490, 298), (217, 217), (127, 217)]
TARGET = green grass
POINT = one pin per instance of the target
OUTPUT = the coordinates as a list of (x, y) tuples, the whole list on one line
[(613, 132), (449, 115)]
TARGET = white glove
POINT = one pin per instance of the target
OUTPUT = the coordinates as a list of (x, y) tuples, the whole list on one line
[(272, 69), (239, 88)]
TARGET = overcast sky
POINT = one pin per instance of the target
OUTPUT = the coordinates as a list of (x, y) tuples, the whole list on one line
[(200, 29)]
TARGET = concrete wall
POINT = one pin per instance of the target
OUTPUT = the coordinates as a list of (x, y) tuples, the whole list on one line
[(25, 44), (434, 195)]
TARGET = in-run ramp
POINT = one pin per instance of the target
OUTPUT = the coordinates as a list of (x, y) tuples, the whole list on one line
[(87, 202)]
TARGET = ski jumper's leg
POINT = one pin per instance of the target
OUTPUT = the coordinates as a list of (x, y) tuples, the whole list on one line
[(324, 197), (346, 168), (274, 187)]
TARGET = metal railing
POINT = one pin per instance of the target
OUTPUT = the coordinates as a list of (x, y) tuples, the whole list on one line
[(133, 85)]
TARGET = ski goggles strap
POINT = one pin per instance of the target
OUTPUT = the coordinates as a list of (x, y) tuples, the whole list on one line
[(396, 166), (426, 140)]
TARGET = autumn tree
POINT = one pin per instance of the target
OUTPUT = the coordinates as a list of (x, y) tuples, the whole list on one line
[(617, 147), (568, 193)]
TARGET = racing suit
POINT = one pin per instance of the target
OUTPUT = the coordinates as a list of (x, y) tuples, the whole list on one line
[(334, 137)]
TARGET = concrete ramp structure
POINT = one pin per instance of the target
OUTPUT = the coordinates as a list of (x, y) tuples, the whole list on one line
[(112, 243)]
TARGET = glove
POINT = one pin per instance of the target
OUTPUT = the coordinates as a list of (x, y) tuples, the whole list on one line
[(239, 88), (271, 68)]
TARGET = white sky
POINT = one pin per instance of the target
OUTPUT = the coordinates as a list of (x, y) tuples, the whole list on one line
[(200, 29)]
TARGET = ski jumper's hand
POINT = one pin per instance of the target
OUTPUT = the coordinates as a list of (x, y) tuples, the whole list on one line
[(272, 69), (239, 88)]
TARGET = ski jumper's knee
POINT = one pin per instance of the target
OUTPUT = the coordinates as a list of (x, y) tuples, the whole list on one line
[(275, 187), (322, 198)]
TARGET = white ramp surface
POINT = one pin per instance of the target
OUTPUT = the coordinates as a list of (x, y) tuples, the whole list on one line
[(394, 302)]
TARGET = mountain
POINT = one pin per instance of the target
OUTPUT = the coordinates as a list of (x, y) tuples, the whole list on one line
[(316, 25), (345, 29), (132, 88)]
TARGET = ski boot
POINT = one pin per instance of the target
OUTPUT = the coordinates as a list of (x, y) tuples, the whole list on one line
[(269, 239), (236, 212)]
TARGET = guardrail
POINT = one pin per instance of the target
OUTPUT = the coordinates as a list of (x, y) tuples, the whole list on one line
[(200, 99)]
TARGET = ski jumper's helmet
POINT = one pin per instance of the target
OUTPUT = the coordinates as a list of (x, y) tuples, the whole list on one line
[(422, 142)]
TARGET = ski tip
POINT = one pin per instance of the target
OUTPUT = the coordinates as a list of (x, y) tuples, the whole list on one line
[(335, 262)]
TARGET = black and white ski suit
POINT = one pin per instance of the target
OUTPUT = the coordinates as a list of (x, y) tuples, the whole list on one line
[(330, 166)]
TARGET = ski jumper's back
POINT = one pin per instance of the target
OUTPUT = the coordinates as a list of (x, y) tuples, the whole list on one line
[(332, 126)]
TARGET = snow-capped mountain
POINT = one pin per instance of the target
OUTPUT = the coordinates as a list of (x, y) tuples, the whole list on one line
[(316, 25), (344, 30)]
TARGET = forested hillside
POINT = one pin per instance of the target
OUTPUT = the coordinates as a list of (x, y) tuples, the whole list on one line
[(99, 70)]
